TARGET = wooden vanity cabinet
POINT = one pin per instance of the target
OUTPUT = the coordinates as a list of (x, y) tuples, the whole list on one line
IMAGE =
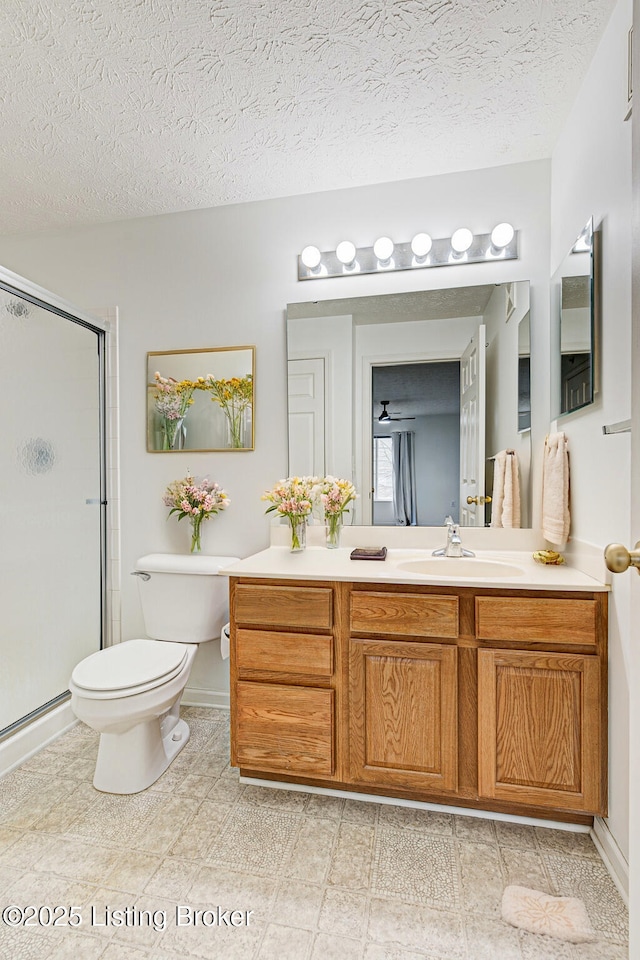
[(493, 699)]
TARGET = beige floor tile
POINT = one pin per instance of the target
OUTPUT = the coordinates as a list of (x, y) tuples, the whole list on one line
[(225, 790), (298, 904), (163, 829), (284, 943), (8, 836), (76, 946), (172, 879), (378, 951), (290, 801), (359, 811), (233, 890), (198, 940), (329, 947), (566, 841), (20, 944), (77, 860), (25, 852), (407, 818), (31, 797), (475, 828), (310, 857), (491, 939), (344, 914), (255, 838), (524, 868), (329, 808), (132, 871), (416, 867), (589, 880), (418, 928), (515, 835), (481, 878), (535, 947), (47, 889), (200, 833), (352, 857)]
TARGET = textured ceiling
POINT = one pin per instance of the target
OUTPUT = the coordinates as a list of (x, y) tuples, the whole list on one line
[(124, 108)]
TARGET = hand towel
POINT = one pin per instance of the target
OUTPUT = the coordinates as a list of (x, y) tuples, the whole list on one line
[(556, 519), (505, 500)]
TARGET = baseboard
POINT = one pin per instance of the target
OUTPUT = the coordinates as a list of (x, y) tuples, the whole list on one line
[(614, 859), (197, 697), (31, 739)]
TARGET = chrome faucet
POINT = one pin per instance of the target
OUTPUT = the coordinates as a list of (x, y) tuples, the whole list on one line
[(454, 546)]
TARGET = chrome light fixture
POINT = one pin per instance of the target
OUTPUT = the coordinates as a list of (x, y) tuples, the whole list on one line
[(422, 251)]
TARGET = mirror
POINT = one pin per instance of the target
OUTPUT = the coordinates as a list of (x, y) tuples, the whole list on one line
[(524, 373), (574, 326), (407, 355), (200, 399)]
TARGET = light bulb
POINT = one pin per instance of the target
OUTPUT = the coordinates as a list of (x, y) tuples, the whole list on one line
[(311, 257), (346, 252), (383, 248), (421, 244), (461, 240), (502, 235)]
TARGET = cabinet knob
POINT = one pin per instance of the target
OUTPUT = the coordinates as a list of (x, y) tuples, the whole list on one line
[(478, 500), (618, 558)]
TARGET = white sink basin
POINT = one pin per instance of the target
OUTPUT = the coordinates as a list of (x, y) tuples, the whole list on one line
[(461, 567)]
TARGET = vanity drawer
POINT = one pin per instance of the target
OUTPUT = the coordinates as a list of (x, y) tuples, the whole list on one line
[(284, 729), (536, 619), (274, 652), (404, 614), (262, 604)]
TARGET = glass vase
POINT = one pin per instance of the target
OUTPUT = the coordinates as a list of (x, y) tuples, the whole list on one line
[(333, 526), (172, 433), (196, 534), (298, 533)]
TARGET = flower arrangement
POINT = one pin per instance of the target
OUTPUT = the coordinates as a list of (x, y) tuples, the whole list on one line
[(197, 501), (335, 495), (233, 396), (293, 498), (172, 400)]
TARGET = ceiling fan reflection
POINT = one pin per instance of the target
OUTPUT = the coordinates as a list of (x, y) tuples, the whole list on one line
[(385, 416)]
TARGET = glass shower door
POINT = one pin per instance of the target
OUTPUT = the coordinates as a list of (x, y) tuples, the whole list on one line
[(51, 502)]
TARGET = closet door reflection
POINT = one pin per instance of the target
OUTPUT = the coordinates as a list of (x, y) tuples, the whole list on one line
[(50, 503)]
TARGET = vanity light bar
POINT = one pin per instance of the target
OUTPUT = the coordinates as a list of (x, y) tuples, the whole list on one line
[(462, 247)]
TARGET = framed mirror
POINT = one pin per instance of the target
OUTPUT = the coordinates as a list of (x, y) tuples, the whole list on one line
[(363, 370), (200, 399), (574, 325), (524, 373)]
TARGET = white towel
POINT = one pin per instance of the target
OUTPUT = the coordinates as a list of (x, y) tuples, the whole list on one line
[(505, 499), (556, 518)]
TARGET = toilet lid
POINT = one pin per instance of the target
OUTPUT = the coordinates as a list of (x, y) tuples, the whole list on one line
[(130, 664)]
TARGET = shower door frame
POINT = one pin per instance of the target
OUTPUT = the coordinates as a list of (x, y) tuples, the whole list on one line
[(19, 286)]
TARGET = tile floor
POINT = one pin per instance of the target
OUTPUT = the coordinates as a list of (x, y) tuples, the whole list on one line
[(324, 878)]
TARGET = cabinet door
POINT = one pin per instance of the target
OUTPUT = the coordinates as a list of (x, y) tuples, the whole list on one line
[(539, 729), (403, 714), (284, 729)]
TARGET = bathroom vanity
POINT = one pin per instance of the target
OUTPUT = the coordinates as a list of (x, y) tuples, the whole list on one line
[(478, 691)]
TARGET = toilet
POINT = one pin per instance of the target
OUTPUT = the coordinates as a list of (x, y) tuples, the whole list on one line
[(130, 692)]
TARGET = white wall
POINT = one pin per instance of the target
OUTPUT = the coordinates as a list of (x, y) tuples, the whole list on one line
[(591, 176), (224, 276)]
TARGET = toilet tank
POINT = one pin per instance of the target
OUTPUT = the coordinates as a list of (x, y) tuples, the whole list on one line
[(183, 598)]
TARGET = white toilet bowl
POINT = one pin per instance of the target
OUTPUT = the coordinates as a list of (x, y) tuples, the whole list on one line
[(130, 692)]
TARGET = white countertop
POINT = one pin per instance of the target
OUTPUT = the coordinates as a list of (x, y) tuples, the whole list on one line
[(514, 569)]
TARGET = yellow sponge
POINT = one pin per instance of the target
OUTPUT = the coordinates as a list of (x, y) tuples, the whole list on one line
[(548, 556)]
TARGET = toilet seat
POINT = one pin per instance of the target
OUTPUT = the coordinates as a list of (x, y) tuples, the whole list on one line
[(129, 668)]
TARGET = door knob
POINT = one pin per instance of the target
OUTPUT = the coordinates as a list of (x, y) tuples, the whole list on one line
[(618, 558), (478, 500)]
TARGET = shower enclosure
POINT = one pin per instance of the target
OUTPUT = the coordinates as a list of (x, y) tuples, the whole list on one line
[(52, 497)]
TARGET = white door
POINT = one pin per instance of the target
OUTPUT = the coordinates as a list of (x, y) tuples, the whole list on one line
[(472, 430), (306, 418)]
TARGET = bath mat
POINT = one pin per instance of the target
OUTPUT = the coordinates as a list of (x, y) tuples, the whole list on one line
[(562, 917)]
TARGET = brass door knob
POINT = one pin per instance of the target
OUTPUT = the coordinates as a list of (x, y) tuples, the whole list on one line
[(477, 500), (618, 558)]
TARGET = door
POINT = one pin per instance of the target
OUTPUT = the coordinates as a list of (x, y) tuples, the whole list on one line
[(51, 502), (539, 729), (472, 430), (403, 714), (306, 418)]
